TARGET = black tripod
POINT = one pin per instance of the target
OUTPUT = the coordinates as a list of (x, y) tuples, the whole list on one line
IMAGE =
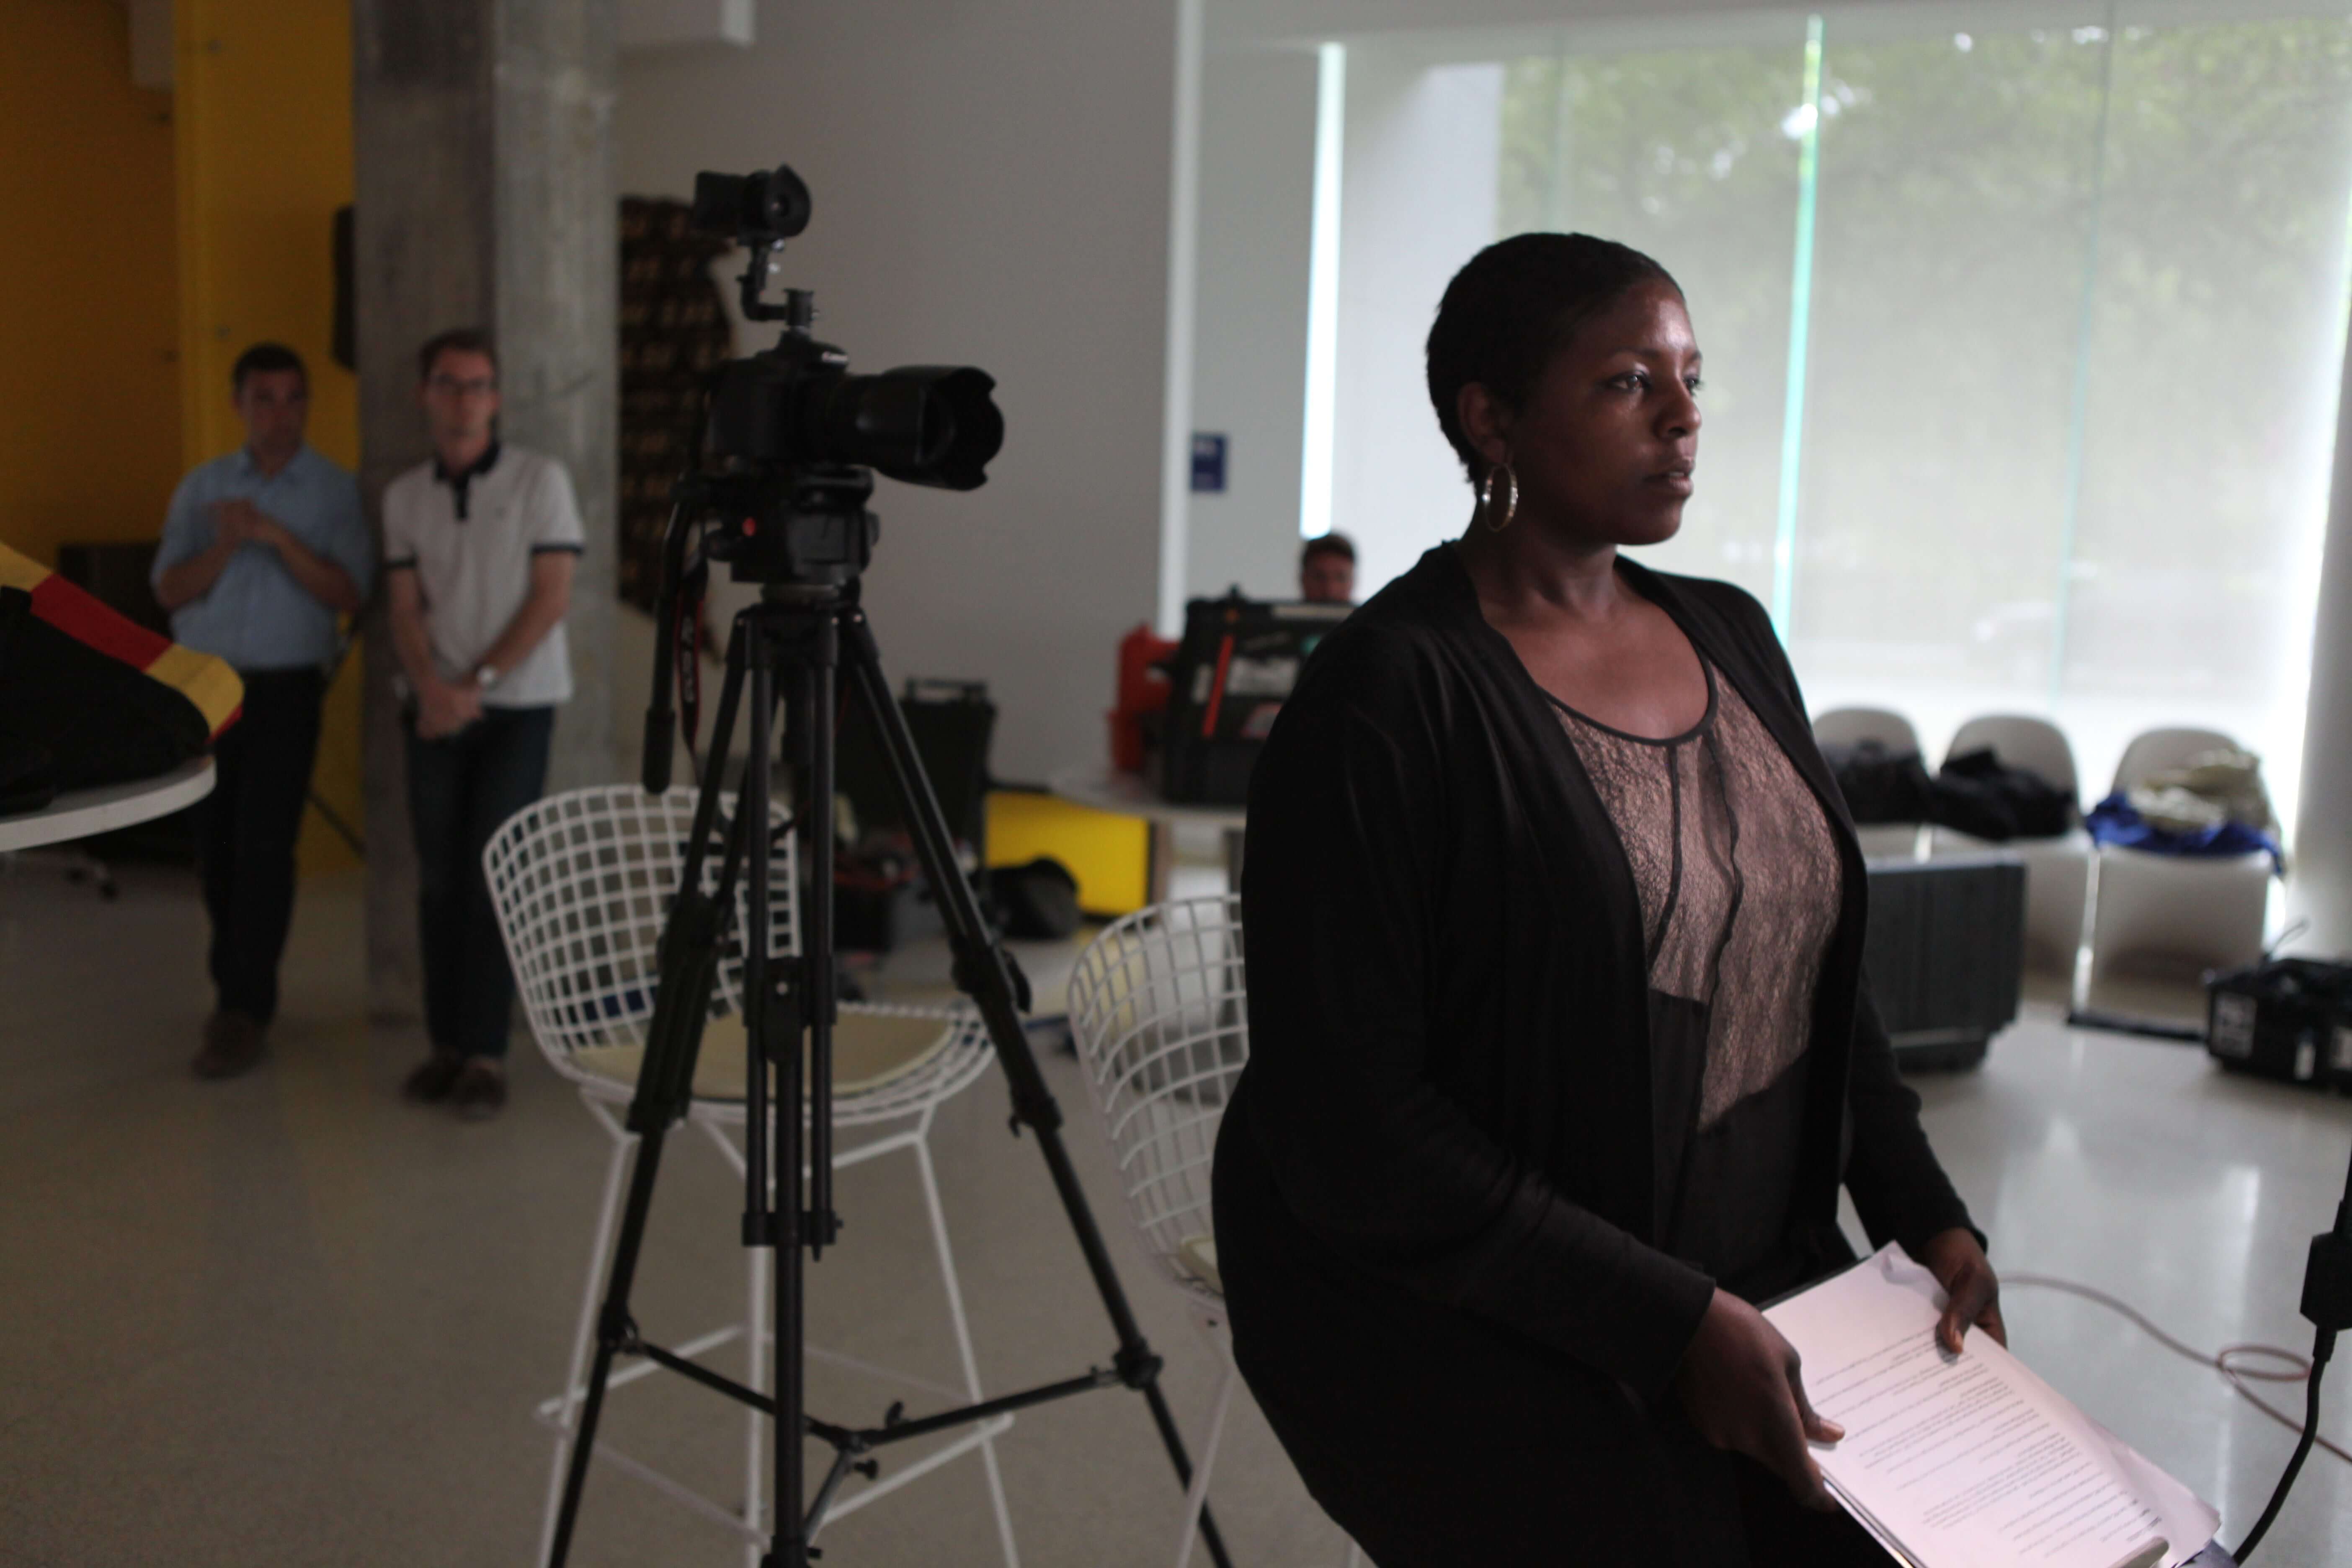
[(794, 647)]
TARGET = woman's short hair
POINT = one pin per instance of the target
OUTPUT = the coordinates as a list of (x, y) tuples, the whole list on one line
[(1512, 307)]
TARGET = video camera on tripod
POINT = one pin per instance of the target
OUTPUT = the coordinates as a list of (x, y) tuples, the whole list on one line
[(788, 452), (778, 494)]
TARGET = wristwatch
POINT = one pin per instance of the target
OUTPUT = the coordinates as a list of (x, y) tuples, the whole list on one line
[(484, 676)]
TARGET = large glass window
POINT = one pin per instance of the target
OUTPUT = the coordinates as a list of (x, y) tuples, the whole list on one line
[(1954, 222), (2210, 369), (2024, 323)]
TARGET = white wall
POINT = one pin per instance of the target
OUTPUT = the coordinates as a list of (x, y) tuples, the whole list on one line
[(991, 188), (1249, 374)]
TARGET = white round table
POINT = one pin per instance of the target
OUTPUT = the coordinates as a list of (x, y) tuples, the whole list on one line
[(1131, 795), (78, 814)]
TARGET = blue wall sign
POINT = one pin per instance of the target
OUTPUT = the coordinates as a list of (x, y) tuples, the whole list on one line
[(1208, 464)]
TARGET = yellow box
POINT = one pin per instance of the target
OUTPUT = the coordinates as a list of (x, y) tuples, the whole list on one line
[(1107, 854)]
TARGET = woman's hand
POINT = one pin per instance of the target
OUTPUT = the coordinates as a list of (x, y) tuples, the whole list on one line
[(1739, 1382), (1971, 1289)]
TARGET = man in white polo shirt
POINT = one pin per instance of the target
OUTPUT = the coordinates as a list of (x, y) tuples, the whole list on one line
[(480, 545)]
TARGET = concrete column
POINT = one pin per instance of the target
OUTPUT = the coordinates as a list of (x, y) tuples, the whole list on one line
[(557, 205), (2320, 889), (487, 196)]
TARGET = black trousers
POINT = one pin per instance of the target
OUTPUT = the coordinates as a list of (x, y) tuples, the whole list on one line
[(245, 831), (460, 789)]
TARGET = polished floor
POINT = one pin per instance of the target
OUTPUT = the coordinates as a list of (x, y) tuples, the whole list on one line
[(290, 1319)]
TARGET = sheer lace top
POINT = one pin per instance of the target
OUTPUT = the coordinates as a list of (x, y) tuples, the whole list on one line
[(1739, 884)]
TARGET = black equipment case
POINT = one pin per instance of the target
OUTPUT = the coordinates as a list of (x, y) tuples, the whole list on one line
[(880, 900), (1945, 954), (2289, 1018), (1228, 679)]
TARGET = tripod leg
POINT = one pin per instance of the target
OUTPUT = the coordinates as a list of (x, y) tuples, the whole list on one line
[(983, 971), (688, 952), (611, 1329), (771, 1208)]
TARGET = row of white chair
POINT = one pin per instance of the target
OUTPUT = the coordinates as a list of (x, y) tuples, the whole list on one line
[(2091, 909)]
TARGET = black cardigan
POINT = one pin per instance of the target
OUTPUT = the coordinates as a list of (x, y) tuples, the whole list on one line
[(1449, 1089)]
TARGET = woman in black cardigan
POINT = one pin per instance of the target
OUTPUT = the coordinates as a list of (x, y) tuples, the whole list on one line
[(1559, 1048)]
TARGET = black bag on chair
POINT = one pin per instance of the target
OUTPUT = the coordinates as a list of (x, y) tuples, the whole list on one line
[(1880, 785), (1976, 795)]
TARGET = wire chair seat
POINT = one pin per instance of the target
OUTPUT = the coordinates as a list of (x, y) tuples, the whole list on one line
[(883, 1070), (585, 881)]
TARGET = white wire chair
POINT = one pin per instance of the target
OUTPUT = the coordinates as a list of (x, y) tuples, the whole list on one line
[(582, 882), (1158, 1011)]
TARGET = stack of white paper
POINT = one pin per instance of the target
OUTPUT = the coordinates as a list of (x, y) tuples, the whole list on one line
[(1970, 1461)]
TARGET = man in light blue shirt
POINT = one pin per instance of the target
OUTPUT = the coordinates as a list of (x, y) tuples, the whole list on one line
[(263, 548)]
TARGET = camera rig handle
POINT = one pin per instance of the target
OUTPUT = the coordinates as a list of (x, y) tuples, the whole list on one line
[(798, 312)]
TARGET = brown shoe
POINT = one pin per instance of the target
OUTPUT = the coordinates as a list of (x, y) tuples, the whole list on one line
[(233, 1043), (431, 1082), (479, 1091)]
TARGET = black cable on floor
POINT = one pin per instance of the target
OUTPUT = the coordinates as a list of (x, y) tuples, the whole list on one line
[(2322, 1348)]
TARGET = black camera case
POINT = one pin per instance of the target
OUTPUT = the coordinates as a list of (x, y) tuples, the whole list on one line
[(1231, 673)]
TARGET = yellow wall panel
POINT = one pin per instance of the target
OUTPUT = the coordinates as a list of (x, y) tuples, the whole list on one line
[(263, 112), (89, 409)]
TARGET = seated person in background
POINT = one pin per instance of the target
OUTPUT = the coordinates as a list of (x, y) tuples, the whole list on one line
[(262, 550), (479, 544), (1559, 1048), (1327, 570)]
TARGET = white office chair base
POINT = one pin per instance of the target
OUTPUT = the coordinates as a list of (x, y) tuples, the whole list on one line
[(750, 1522)]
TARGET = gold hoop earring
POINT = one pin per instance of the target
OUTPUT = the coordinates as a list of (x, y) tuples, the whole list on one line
[(1511, 501)]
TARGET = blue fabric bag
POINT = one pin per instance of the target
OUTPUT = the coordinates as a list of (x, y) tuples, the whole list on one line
[(2115, 821)]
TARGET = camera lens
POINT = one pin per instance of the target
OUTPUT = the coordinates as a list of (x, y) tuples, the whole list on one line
[(921, 425)]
